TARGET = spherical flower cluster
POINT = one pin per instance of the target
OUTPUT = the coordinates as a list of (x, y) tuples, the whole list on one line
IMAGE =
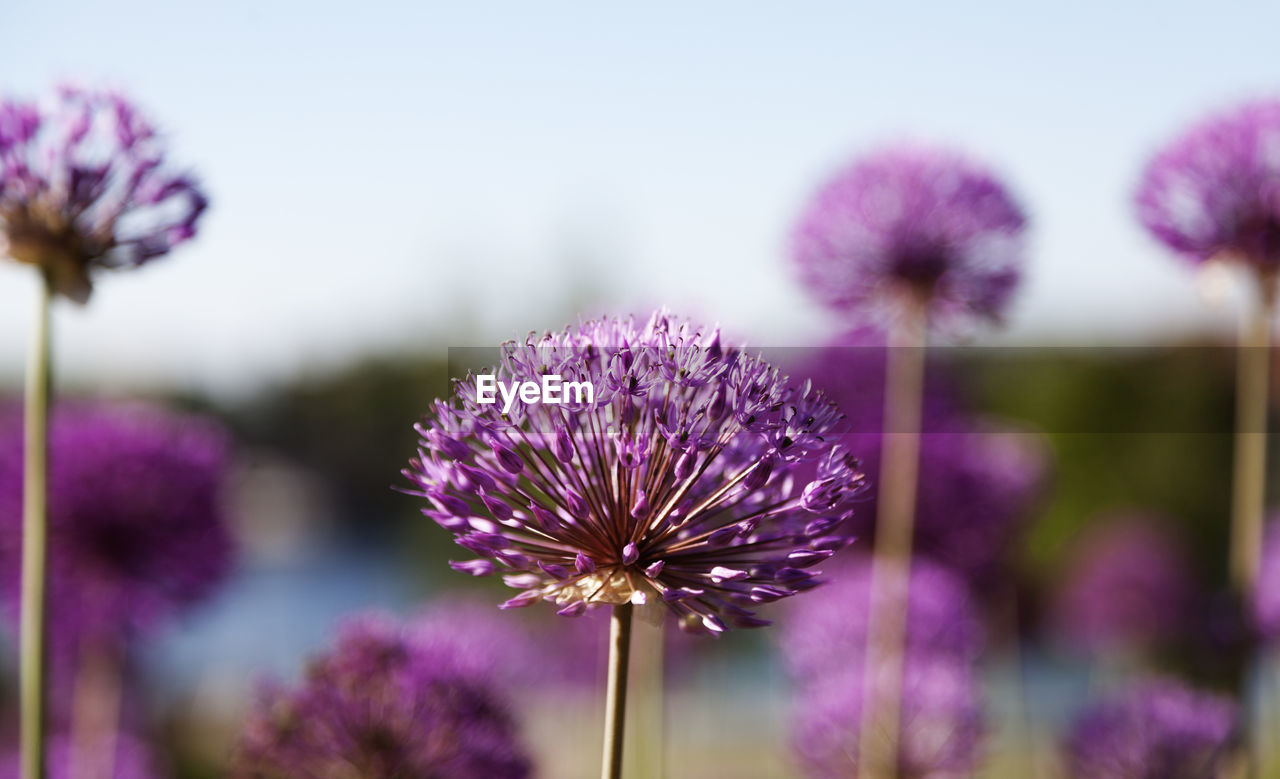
[(942, 722), (825, 642), (383, 703), (912, 226), (1126, 588), (133, 759), (827, 631), (83, 185), (1214, 192), (978, 481), (671, 480), (1266, 595), (137, 527), (1152, 730)]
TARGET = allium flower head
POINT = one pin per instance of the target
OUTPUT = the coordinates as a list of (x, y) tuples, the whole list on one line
[(382, 704), (1126, 587), (83, 185), (827, 631), (941, 726), (979, 480), (672, 483), (1214, 192), (908, 225), (137, 528), (133, 760), (1152, 730), (1266, 595)]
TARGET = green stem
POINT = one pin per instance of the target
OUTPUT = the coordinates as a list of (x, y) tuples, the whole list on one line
[(891, 565), (35, 536), (615, 704), (1250, 483)]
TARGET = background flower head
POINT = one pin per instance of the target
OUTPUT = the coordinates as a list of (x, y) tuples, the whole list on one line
[(826, 632), (1214, 191), (941, 725), (137, 524), (1126, 587), (133, 759), (1156, 729), (911, 225), (383, 703), (84, 185), (674, 482)]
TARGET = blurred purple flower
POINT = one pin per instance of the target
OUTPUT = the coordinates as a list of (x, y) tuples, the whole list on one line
[(1126, 588), (134, 759), (978, 481), (827, 631), (1214, 192), (908, 224), (476, 641), (1266, 595), (383, 703), (137, 528), (83, 185), (941, 726), (1157, 729), (672, 481)]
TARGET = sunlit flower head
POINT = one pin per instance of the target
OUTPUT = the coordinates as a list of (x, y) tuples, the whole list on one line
[(1214, 192), (137, 525), (906, 226), (1155, 729), (84, 186), (941, 729), (383, 703), (1126, 588), (673, 483)]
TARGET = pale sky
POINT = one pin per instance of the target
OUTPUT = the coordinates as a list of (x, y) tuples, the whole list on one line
[(387, 174)]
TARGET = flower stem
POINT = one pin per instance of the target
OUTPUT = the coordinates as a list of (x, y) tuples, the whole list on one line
[(1250, 478), (616, 695), (35, 534), (891, 567)]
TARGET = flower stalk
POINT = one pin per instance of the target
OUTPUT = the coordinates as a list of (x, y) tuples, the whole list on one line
[(1248, 496), (615, 706), (895, 526), (35, 537)]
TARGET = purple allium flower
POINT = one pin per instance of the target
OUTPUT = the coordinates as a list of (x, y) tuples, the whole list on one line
[(137, 529), (978, 481), (941, 725), (83, 185), (911, 225), (1156, 729), (476, 640), (1126, 587), (674, 480), (827, 631), (134, 759), (382, 704), (1214, 192), (1266, 595)]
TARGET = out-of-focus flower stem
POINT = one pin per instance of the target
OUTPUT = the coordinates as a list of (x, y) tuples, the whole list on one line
[(615, 706), (95, 716), (895, 524), (1250, 483), (35, 535)]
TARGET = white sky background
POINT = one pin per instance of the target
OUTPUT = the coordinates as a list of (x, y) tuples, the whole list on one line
[(390, 174)]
